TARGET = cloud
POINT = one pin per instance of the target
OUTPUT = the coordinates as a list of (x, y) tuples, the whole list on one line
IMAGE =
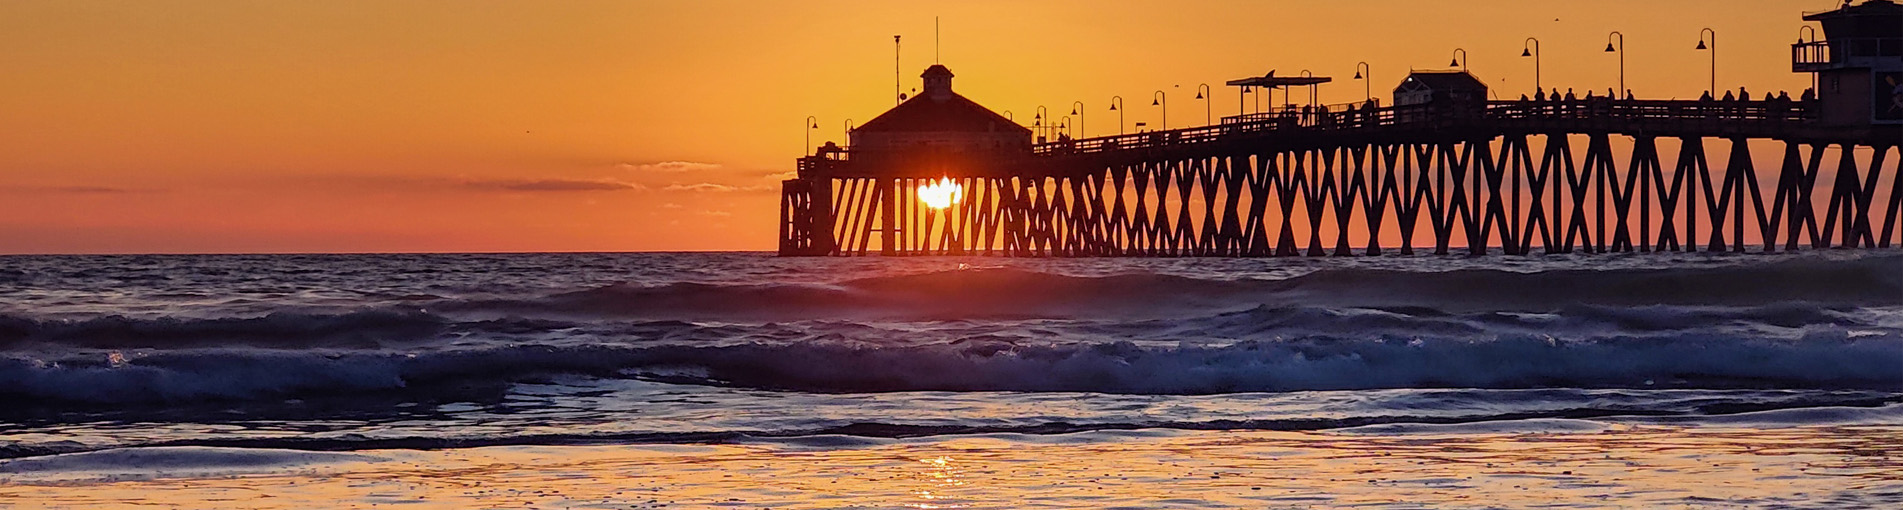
[(708, 187), (704, 187), (670, 167), (715, 213), (790, 174), (551, 185)]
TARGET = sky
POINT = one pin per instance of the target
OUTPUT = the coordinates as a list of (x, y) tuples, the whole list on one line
[(485, 126)]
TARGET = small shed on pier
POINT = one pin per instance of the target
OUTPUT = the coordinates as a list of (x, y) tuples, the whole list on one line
[(1858, 64), (1440, 87)]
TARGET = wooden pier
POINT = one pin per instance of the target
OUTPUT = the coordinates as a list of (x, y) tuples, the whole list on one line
[(1545, 175)]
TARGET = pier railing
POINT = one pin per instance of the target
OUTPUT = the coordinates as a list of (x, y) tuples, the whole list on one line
[(1755, 118)]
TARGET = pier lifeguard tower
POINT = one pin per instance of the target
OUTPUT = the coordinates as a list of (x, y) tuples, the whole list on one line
[(1858, 63)]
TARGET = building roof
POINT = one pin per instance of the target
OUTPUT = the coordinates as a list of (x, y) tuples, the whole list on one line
[(955, 113), (940, 110), (1867, 8), (1273, 81), (1440, 80)]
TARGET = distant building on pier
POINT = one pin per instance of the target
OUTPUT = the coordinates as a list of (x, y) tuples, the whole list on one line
[(1440, 87), (1859, 64)]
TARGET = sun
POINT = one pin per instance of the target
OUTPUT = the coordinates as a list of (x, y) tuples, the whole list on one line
[(940, 194)]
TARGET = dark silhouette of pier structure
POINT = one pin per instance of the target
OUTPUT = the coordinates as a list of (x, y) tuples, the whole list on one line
[(1441, 169)]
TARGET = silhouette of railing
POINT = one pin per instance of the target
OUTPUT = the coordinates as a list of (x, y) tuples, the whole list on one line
[(1758, 118), (1818, 55)]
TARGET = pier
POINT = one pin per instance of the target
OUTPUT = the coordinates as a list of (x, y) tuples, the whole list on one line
[(1441, 169)]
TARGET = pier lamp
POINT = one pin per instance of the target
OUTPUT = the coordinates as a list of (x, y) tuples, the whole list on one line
[(1531, 48), (1367, 79), (849, 131), (1813, 38), (1038, 119), (1713, 48), (1209, 112), (1459, 60), (1242, 99), (1077, 108), (1615, 35), (1114, 102), (1162, 100), (812, 123)]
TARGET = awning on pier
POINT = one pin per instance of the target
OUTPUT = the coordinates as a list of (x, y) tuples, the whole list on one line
[(1272, 81)]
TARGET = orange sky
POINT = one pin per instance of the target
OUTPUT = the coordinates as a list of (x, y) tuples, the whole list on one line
[(367, 126)]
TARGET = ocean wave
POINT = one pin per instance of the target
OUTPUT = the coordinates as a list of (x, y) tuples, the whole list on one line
[(231, 453), (369, 328), (1017, 293), (1822, 358)]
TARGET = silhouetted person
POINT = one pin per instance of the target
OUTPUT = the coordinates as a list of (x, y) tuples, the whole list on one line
[(1705, 96), (1742, 95), (1569, 94), (1539, 95), (1729, 98), (1808, 95), (1628, 94)]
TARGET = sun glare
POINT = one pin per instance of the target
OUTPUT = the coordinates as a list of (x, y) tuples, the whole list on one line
[(940, 194)]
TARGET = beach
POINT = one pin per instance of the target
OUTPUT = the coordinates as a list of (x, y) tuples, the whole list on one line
[(1574, 465)]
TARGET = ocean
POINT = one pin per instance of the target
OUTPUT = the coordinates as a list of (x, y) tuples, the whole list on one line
[(691, 380)]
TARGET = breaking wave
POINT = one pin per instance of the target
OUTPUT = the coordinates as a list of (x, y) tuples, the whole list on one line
[(1797, 323), (1826, 359), (1012, 293)]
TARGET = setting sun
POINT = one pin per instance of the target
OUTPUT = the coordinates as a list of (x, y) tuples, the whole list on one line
[(940, 194)]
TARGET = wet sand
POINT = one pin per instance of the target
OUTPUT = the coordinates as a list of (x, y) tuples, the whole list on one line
[(1549, 464)]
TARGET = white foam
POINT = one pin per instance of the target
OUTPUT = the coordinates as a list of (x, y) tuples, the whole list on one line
[(167, 462)]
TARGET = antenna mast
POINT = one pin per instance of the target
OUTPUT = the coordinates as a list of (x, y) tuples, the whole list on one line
[(897, 97), (935, 40)]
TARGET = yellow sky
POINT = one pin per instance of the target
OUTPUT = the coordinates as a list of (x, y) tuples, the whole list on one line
[(352, 126)]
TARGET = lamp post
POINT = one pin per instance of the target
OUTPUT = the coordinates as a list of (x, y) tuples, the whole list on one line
[(1621, 51), (1531, 48), (1209, 110), (1713, 48), (1367, 79), (1038, 120), (1800, 40), (848, 132), (1162, 100), (1460, 59), (1116, 101), (812, 123), (1077, 108)]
